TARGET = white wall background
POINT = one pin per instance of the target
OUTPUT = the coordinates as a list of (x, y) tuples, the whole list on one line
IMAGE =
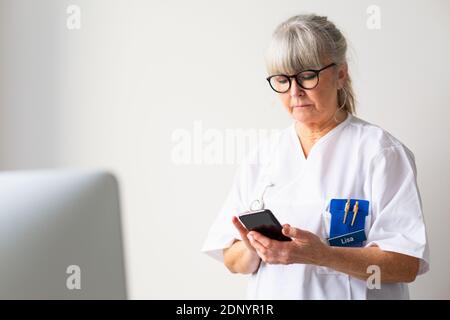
[(111, 94)]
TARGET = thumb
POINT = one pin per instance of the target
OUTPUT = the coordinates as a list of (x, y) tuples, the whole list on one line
[(292, 232)]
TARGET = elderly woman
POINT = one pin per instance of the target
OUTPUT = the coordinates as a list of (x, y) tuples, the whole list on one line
[(345, 189)]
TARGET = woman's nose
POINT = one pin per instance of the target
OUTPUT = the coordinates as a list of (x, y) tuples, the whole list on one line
[(295, 89)]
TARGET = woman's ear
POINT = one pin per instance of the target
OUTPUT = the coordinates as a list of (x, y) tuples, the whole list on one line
[(342, 74)]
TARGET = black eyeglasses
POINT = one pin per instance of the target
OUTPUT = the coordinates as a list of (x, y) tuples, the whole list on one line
[(307, 79)]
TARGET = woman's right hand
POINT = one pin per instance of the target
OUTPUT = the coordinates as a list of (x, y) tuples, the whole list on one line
[(241, 257), (244, 233)]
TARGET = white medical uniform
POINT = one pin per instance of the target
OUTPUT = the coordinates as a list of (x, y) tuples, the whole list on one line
[(355, 160)]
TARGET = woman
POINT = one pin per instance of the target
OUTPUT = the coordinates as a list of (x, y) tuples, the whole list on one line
[(320, 175)]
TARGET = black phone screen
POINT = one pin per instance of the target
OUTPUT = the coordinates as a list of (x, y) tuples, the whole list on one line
[(264, 222)]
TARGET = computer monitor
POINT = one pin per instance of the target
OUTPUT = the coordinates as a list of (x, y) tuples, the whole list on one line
[(60, 235)]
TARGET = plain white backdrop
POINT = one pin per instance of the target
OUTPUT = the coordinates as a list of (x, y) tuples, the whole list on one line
[(111, 95)]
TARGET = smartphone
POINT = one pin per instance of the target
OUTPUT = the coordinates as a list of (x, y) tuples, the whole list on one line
[(264, 222)]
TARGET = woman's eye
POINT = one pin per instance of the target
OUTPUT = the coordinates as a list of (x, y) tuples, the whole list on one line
[(281, 80), (307, 76)]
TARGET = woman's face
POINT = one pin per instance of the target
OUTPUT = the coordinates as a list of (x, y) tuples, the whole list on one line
[(317, 106)]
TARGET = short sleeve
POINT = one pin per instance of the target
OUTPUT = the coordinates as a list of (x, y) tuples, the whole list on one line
[(222, 233), (398, 223)]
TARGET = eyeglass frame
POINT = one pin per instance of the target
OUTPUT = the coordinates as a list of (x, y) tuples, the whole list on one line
[(296, 79)]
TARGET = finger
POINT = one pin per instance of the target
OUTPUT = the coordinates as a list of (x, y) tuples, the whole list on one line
[(252, 234), (242, 231), (256, 244), (265, 241), (237, 223), (293, 232)]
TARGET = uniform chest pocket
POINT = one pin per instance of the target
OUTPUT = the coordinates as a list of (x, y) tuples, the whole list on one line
[(346, 223), (343, 227)]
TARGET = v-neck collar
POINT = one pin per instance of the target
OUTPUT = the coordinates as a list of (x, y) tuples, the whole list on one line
[(298, 145)]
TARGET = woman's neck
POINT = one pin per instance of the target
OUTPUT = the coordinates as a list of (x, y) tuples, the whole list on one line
[(310, 134)]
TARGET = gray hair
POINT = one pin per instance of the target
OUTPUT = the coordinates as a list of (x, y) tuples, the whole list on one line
[(307, 42)]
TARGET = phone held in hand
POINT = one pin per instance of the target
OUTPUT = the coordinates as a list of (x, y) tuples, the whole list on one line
[(264, 222)]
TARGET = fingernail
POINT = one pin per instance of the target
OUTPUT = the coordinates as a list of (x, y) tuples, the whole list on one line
[(250, 237)]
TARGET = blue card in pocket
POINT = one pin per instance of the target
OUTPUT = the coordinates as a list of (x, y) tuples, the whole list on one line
[(347, 224)]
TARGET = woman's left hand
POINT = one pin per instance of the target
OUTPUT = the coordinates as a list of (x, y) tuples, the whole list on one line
[(305, 247)]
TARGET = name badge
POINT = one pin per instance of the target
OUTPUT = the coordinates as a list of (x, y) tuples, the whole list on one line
[(348, 219), (352, 239)]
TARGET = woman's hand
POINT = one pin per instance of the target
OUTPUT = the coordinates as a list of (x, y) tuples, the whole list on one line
[(305, 247), (241, 257), (243, 232)]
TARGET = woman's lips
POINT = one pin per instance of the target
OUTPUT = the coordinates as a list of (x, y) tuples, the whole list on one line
[(302, 106)]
